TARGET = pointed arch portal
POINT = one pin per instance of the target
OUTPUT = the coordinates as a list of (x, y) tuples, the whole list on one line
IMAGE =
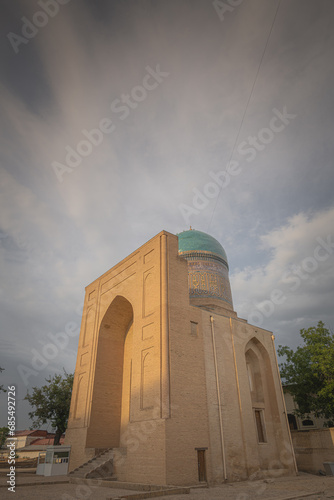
[(263, 399), (111, 391)]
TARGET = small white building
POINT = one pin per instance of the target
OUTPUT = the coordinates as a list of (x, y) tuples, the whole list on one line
[(54, 461)]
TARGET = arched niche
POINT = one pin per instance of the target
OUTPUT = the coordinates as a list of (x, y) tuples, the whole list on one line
[(254, 376), (89, 327), (148, 377), (79, 396), (263, 394)]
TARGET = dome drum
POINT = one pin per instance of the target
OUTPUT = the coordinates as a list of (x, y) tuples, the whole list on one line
[(207, 266)]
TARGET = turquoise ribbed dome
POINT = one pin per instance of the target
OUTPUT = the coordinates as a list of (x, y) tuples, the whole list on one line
[(197, 241)]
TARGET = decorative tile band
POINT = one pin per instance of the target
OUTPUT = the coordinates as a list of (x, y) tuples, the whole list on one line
[(208, 277), (203, 255)]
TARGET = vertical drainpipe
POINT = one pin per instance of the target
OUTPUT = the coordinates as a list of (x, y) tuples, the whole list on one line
[(165, 394), (284, 406), (218, 398), (239, 398)]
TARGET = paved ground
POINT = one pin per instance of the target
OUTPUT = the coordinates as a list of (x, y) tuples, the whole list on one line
[(62, 492), (57, 489), (278, 489)]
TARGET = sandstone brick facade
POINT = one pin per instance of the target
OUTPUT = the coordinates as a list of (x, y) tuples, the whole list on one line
[(169, 382)]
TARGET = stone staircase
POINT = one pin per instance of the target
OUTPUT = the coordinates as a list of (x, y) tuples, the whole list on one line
[(99, 467)]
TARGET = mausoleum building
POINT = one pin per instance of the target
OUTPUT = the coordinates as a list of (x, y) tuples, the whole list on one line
[(170, 378)]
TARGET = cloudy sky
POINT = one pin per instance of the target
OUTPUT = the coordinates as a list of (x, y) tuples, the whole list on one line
[(121, 118)]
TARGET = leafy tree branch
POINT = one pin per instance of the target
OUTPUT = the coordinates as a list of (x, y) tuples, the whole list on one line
[(309, 372), (52, 403)]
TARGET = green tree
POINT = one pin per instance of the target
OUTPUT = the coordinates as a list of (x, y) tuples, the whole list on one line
[(1, 386), (4, 431), (52, 403), (309, 372)]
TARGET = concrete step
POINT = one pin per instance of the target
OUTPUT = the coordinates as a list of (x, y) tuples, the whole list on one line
[(97, 466), (93, 460)]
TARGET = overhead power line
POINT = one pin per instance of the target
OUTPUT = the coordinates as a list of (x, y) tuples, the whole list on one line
[(248, 101)]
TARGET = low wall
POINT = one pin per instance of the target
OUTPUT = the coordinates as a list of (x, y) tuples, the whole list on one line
[(313, 448), (26, 464)]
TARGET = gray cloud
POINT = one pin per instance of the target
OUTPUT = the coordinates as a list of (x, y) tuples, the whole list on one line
[(57, 237)]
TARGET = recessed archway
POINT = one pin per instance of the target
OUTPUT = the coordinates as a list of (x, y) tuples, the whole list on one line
[(263, 400), (106, 417)]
